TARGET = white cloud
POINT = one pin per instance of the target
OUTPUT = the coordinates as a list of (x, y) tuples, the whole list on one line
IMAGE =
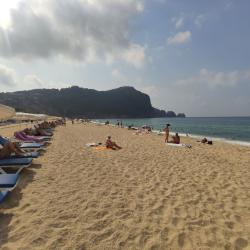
[(179, 38), (179, 22), (215, 79), (33, 81), (118, 76), (82, 30), (11, 81), (199, 20), (7, 76), (228, 5), (161, 1), (151, 90), (135, 55)]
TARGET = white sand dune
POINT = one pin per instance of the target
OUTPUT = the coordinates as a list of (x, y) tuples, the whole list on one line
[(145, 196)]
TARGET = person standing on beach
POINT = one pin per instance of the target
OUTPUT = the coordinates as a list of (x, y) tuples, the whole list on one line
[(166, 129)]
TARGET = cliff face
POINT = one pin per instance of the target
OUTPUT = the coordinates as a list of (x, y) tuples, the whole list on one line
[(125, 102)]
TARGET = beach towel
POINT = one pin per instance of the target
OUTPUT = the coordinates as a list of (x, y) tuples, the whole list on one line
[(20, 136), (23, 137), (179, 145), (101, 148), (93, 144)]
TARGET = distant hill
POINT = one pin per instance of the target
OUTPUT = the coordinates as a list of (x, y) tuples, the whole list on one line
[(73, 102)]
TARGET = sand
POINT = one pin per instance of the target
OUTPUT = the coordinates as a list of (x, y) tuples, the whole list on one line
[(145, 196)]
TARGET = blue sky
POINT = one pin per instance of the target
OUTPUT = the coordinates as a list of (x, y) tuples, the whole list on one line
[(189, 56)]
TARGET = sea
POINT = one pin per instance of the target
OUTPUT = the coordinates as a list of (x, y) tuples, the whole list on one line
[(234, 130)]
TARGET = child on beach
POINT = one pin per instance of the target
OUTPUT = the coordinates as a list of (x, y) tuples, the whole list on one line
[(111, 144)]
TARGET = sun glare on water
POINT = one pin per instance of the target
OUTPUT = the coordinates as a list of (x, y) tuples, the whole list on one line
[(5, 7)]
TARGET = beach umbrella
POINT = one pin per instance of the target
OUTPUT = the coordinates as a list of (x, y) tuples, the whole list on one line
[(6, 112)]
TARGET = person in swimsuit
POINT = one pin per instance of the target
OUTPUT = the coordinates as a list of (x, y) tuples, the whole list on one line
[(176, 139), (8, 147), (166, 129), (111, 144)]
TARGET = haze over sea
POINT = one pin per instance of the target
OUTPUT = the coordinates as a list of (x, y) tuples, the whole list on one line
[(236, 129)]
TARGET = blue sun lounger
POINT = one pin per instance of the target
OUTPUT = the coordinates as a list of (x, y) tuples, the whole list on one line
[(7, 183), (16, 163), (22, 144)]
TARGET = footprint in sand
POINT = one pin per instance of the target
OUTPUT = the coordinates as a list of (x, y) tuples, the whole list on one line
[(241, 243)]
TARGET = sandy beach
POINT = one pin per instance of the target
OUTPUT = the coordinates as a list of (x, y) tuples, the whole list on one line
[(145, 196)]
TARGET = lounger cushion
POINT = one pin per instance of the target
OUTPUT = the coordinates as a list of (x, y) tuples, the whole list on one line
[(30, 145), (15, 161), (8, 180), (27, 155)]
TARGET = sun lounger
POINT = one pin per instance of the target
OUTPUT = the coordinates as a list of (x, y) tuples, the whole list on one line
[(30, 145), (22, 144), (21, 136), (30, 138), (7, 183), (17, 163), (27, 155)]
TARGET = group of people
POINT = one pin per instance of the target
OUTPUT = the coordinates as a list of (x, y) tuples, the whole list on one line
[(175, 138), (119, 124), (8, 147)]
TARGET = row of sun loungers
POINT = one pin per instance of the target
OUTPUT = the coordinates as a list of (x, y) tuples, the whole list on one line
[(15, 164)]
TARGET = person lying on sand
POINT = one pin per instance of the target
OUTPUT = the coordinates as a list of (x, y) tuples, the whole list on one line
[(111, 144), (206, 141), (175, 139), (147, 128)]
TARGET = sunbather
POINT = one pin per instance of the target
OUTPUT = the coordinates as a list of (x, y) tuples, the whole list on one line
[(206, 141), (24, 137), (36, 132), (111, 144), (175, 139), (9, 148)]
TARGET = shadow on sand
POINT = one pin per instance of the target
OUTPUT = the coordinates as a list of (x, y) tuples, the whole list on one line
[(12, 200)]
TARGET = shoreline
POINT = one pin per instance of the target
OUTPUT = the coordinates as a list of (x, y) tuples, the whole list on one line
[(147, 195), (193, 136)]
